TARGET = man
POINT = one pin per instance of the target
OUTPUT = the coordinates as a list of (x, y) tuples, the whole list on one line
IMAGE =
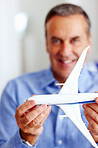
[(67, 32)]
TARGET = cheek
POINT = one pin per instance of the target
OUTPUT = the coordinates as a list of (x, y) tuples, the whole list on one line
[(53, 51), (52, 57), (78, 51)]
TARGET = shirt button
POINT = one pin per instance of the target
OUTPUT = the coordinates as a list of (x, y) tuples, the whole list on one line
[(59, 142)]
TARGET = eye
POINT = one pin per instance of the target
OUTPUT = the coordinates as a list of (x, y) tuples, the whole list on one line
[(75, 40), (56, 41)]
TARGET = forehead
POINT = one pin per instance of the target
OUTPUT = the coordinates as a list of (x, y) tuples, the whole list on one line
[(73, 24)]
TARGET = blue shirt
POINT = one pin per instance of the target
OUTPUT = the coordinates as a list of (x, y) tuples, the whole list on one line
[(58, 132)]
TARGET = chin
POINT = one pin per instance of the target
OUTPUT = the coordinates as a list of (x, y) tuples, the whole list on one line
[(62, 77), (65, 74)]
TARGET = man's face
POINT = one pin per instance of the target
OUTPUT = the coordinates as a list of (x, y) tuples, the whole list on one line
[(65, 40)]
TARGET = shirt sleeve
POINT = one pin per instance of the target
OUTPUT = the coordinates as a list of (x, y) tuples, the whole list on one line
[(16, 142), (9, 131)]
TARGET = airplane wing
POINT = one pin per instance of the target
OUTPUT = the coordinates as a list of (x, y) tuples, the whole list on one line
[(73, 113), (71, 84), (71, 87)]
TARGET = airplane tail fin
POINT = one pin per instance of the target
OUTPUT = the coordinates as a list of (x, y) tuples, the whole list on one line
[(71, 85)]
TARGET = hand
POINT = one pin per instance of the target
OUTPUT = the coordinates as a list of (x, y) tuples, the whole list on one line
[(91, 114), (30, 118)]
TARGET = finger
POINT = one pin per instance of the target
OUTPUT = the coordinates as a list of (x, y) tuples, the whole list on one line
[(94, 106), (25, 107), (95, 138), (91, 130), (41, 118), (91, 113), (93, 133), (33, 114), (96, 100), (36, 122), (92, 122), (46, 114), (33, 130)]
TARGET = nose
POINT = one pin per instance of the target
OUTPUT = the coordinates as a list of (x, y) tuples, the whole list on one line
[(66, 49)]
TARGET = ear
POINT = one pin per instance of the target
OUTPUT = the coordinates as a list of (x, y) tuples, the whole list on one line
[(90, 42), (47, 46)]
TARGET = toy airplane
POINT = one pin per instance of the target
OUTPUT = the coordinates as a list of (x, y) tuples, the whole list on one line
[(69, 99)]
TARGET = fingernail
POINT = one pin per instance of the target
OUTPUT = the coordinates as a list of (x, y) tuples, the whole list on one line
[(44, 106), (32, 102), (84, 105), (96, 100)]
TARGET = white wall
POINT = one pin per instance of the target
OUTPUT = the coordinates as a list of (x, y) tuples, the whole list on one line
[(10, 61), (92, 8), (28, 54)]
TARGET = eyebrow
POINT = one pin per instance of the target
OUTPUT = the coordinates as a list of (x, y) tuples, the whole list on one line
[(75, 37), (54, 37)]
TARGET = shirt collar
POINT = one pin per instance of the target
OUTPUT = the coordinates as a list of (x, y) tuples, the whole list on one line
[(48, 78), (85, 80)]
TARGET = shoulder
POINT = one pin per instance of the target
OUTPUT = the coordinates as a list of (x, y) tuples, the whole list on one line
[(92, 67), (28, 78), (24, 86), (88, 81), (31, 75)]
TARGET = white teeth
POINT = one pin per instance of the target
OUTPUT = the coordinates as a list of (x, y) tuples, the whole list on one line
[(70, 61), (67, 61)]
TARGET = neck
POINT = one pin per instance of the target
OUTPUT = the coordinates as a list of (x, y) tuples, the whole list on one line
[(58, 78)]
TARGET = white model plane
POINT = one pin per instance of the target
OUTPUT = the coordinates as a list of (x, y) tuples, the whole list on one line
[(69, 99)]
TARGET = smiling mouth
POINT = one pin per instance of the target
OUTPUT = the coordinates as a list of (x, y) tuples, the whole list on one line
[(67, 61)]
